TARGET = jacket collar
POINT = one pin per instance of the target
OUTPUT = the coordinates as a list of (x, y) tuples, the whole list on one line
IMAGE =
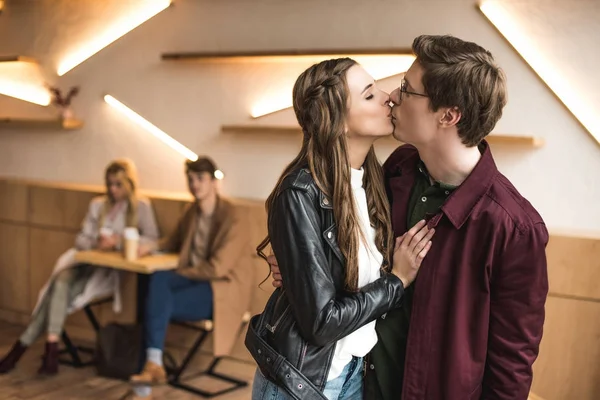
[(325, 201), (462, 201)]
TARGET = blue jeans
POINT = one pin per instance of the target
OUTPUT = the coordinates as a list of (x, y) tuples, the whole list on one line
[(347, 386), (174, 297)]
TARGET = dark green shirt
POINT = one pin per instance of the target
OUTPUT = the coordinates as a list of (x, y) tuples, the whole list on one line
[(387, 357)]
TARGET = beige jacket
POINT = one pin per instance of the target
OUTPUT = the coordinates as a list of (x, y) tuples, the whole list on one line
[(228, 266)]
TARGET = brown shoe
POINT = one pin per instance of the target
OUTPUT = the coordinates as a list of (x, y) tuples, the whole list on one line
[(152, 374), (130, 395)]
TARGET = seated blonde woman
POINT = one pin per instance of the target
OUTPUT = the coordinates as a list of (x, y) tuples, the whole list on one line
[(72, 285)]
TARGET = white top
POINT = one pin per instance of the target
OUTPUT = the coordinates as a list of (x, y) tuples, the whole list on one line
[(361, 341)]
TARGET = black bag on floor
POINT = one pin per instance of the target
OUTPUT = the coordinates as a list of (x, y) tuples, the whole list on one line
[(118, 350)]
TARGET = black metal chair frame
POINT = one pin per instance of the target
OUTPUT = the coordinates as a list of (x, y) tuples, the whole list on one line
[(176, 371), (74, 359)]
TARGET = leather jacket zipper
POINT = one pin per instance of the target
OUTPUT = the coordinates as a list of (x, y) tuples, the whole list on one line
[(274, 327)]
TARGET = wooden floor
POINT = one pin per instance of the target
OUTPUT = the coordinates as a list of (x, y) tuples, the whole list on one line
[(74, 384), (70, 384)]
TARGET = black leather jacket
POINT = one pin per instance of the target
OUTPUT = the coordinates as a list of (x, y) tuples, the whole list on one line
[(303, 321)]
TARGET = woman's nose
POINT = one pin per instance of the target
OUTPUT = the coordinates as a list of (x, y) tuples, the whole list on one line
[(386, 99), (395, 97)]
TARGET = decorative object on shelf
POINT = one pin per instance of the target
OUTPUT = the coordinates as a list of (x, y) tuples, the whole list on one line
[(63, 102)]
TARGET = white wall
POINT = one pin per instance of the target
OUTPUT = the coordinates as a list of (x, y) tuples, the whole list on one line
[(190, 100)]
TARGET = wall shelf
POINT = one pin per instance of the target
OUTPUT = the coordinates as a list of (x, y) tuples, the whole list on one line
[(494, 139), (283, 54), (17, 59), (39, 123)]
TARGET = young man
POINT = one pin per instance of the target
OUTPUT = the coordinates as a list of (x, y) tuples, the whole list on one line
[(211, 282), (471, 323)]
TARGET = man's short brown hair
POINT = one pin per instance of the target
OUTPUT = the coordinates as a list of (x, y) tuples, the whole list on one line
[(202, 164), (463, 75)]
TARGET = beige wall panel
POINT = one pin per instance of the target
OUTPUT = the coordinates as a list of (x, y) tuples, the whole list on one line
[(574, 266), (13, 201), (74, 210), (14, 268), (14, 317), (60, 208), (168, 213), (568, 366), (46, 206)]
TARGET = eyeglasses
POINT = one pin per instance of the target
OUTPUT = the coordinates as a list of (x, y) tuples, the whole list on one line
[(403, 90)]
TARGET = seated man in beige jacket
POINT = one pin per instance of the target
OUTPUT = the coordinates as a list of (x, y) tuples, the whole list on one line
[(213, 279)]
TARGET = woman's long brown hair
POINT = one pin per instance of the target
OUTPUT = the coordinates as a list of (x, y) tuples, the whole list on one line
[(320, 99)]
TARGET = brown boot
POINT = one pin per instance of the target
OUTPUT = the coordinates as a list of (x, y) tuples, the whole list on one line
[(14, 355), (152, 374), (50, 360)]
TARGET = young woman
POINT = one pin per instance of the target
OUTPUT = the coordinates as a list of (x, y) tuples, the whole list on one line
[(329, 228), (72, 285)]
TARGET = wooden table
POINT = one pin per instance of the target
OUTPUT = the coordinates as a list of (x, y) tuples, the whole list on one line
[(145, 265)]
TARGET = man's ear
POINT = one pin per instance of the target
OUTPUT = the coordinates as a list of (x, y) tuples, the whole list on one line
[(450, 117)]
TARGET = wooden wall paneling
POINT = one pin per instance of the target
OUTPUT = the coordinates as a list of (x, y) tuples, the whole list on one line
[(533, 396), (14, 317), (568, 366), (46, 206), (75, 207), (168, 212), (13, 201), (574, 266), (59, 208), (14, 267)]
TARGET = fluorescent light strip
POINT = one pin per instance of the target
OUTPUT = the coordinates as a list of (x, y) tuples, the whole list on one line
[(139, 120), (575, 103), (115, 30), (379, 66)]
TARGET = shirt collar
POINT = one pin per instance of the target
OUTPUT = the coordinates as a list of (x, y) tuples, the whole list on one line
[(460, 204), (444, 186)]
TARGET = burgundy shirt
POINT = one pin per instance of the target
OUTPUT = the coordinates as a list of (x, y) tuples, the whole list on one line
[(478, 306)]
